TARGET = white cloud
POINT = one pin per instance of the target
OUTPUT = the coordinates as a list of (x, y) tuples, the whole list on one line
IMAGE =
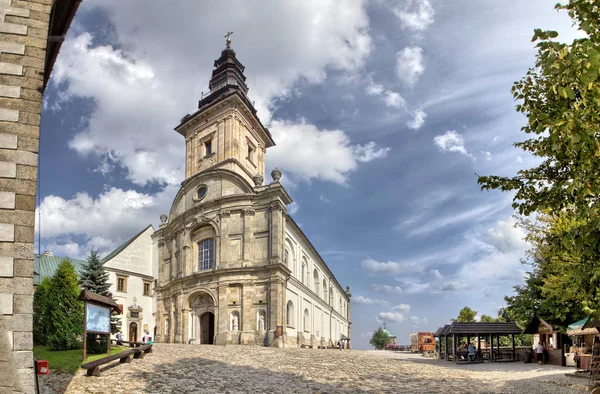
[(401, 308), (293, 208), (373, 89), (395, 317), (324, 199), (394, 100), (369, 152), (451, 141), (409, 64), (389, 267), (300, 148), (111, 218), (436, 274), (505, 236), (368, 301), (416, 14), (386, 289), (487, 155), (418, 120), (418, 321), (519, 159)]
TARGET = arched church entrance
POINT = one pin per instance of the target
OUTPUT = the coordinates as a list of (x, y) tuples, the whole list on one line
[(202, 312), (133, 328), (207, 328)]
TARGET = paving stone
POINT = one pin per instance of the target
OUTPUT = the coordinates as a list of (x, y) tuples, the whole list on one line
[(173, 368)]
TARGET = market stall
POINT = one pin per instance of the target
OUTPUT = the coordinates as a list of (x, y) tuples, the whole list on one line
[(550, 337)]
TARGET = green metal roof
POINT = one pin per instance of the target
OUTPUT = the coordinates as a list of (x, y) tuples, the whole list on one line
[(45, 266), (578, 325), (389, 334), (123, 246)]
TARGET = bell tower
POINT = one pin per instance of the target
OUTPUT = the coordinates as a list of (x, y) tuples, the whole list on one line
[(225, 131)]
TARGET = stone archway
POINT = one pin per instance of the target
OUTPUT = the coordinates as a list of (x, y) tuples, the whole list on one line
[(207, 328), (202, 308)]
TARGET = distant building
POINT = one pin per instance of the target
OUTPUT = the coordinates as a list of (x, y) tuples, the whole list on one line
[(132, 284), (131, 275)]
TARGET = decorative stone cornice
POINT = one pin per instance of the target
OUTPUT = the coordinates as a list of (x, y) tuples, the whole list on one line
[(224, 213), (248, 212), (276, 206)]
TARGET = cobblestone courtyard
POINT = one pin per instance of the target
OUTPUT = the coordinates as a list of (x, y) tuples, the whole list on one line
[(235, 369)]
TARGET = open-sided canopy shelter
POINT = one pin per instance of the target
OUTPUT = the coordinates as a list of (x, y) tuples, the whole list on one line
[(450, 335)]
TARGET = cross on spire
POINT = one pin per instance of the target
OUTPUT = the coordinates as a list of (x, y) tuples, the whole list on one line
[(228, 38)]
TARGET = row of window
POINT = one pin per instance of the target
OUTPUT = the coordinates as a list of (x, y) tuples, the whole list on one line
[(208, 150), (122, 286), (290, 316), (320, 291)]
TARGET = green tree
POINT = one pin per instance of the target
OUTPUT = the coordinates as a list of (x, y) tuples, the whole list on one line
[(94, 278), (66, 311), (560, 96), (488, 319), (379, 339), (41, 313), (466, 315)]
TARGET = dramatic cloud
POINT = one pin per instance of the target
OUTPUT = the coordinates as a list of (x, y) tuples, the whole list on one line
[(111, 218), (367, 301), (505, 236), (409, 65), (141, 88), (451, 141), (386, 289), (416, 14), (418, 120), (300, 148)]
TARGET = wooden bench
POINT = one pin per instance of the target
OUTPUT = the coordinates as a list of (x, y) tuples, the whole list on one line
[(93, 367), (304, 346), (131, 344)]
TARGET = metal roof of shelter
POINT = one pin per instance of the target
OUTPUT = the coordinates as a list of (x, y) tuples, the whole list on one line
[(45, 266), (478, 328)]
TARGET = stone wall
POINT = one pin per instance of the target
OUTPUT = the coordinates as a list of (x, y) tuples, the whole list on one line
[(23, 32)]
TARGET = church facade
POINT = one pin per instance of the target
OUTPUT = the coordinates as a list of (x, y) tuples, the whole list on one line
[(233, 266)]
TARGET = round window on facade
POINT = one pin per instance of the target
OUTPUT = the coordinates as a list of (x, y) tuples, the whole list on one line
[(201, 193)]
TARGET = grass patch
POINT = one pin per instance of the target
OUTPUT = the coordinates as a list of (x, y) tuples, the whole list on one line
[(68, 361)]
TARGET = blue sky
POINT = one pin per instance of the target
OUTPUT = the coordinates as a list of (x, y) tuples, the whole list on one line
[(383, 112)]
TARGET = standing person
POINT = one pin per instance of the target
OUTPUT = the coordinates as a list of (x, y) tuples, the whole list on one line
[(119, 338), (471, 352), (340, 344), (539, 353)]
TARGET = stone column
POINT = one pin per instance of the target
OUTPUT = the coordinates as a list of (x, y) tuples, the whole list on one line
[(277, 233), (247, 250), (276, 308), (184, 325), (221, 316), (23, 32), (223, 255)]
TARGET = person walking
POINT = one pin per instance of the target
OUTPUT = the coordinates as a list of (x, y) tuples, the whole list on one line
[(539, 351)]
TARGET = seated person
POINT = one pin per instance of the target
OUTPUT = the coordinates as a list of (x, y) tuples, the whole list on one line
[(471, 352)]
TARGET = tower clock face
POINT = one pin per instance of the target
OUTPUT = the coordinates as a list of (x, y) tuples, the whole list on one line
[(201, 193)]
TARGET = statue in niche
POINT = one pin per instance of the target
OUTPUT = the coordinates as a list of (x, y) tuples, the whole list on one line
[(261, 322), (167, 326), (235, 323)]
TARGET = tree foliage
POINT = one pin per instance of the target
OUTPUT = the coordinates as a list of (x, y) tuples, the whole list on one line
[(379, 339), (94, 277), (66, 312), (466, 315), (560, 96), (41, 313)]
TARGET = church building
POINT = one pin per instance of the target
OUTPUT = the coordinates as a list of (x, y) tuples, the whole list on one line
[(233, 266)]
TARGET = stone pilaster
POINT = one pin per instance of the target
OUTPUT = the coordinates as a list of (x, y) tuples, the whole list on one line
[(23, 32), (221, 316)]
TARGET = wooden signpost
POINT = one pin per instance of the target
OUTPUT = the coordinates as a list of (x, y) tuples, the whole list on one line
[(96, 320)]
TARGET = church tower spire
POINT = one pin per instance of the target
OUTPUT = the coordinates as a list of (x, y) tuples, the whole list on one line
[(225, 132)]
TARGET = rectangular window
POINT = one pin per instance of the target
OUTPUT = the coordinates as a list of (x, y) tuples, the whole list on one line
[(206, 255), (122, 284), (135, 315), (147, 288), (208, 148), (251, 151), (122, 309)]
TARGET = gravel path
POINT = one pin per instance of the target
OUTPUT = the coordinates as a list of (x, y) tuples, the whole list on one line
[(240, 369)]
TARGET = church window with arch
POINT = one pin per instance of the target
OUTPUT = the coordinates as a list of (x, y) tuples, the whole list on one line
[(206, 254), (289, 314)]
